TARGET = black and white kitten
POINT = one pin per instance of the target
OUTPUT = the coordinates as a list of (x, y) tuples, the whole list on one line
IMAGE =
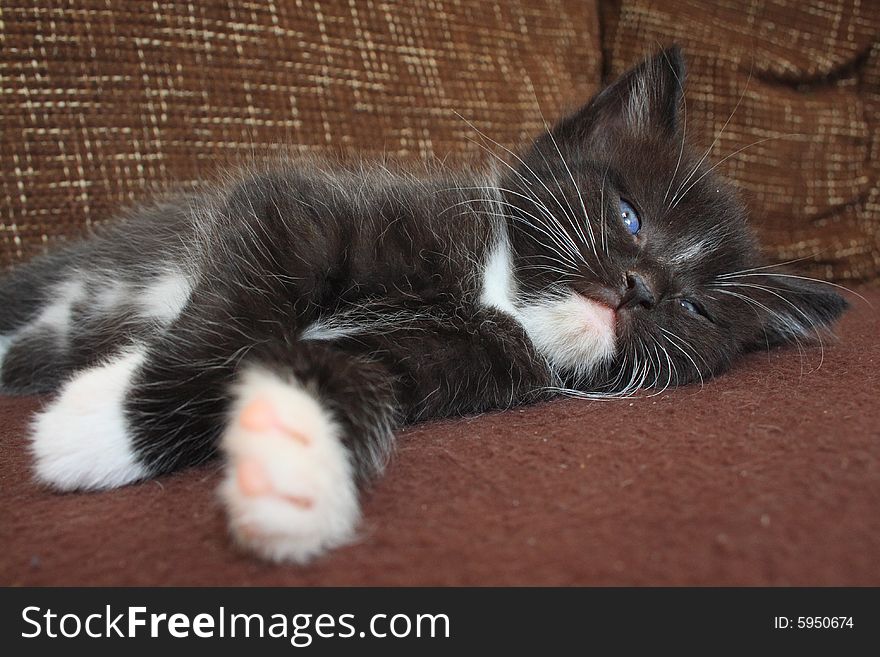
[(291, 320)]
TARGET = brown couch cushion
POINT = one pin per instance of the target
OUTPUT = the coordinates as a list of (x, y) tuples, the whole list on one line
[(104, 101), (767, 475), (814, 94)]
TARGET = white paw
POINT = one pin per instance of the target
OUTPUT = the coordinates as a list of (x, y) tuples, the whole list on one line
[(289, 487), (80, 441)]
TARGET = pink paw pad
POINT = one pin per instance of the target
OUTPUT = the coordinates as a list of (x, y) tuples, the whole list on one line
[(299, 500), (252, 478), (259, 415), (254, 482)]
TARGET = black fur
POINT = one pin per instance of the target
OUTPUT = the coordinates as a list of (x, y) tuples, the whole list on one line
[(292, 244)]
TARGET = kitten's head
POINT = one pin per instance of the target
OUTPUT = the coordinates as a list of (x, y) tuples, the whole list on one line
[(634, 262)]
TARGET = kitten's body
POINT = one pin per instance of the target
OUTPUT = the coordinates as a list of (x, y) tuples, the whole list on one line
[(293, 318)]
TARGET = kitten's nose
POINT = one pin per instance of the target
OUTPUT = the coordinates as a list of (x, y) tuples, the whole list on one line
[(638, 294)]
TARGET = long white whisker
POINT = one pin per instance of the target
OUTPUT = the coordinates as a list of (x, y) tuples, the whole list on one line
[(683, 131), (754, 302), (674, 201), (561, 240), (603, 218), (803, 278), (523, 163), (560, 232), (776, 292), (673, 340), (592, 241), (773, 266), (679, 197)]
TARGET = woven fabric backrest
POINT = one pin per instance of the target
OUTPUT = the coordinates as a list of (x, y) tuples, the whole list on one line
[(804, 142), (104, 102)]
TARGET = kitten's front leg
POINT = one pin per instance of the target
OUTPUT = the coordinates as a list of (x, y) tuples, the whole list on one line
[(312, 422), (289, 486), (306, 428)]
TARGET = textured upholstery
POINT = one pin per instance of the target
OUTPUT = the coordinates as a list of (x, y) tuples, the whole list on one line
[(804, 142), (103, 102)]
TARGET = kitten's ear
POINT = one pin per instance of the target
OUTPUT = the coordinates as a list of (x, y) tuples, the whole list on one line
[(646, 100), (790, 309)]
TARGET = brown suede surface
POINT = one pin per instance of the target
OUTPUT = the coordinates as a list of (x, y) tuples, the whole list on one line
[(767, 475)]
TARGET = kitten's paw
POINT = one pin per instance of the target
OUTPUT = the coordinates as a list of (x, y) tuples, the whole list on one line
[(80, 440), (289, 487)]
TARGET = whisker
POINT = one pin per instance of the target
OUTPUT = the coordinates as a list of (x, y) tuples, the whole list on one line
[(592, 241), (673, 340), (773, 266), (524, 164), (569, 250), (803, 278), (602, 225), (674, 202), (724, 159), (561, 233), (775, 292), (757, 304), (683, 131)]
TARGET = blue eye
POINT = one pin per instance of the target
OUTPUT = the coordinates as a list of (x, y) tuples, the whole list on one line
[(690, 306), (630, 218)]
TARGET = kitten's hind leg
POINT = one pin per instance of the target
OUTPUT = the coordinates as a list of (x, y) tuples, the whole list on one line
[(81, 440), (301, 425), (36, 302), (35, 356)]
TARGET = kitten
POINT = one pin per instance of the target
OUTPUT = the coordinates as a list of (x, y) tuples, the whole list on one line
[(292, 319)]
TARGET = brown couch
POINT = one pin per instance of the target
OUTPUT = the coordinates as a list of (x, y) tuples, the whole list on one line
[(770, 474)]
